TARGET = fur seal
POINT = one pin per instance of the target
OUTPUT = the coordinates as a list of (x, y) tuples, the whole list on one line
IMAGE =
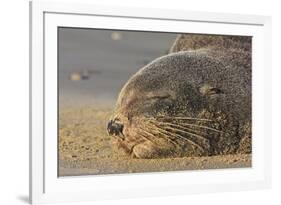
[(195, 101)]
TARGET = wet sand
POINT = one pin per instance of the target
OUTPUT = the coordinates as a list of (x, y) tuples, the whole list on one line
[(85, 148)]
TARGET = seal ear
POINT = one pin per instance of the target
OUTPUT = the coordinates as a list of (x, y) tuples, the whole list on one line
[(209, 90)]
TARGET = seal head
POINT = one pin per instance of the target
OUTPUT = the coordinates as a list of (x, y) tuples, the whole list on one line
[(188, 103)]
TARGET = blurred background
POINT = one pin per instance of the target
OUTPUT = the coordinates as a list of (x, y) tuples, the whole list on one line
[(95, 64)]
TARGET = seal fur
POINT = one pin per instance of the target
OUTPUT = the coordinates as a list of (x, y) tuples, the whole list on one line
[(195, 101)]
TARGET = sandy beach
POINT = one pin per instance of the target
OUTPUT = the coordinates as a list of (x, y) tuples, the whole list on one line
[(85, 148)]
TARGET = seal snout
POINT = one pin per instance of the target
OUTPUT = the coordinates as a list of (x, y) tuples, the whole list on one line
[(115, 128)]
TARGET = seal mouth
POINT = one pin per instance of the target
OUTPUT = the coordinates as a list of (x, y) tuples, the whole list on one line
[(115, 128)]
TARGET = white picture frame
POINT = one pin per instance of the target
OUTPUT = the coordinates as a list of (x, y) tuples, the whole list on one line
[(46, 187)]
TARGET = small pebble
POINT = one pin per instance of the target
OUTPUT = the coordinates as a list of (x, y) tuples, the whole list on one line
[(75, 76)]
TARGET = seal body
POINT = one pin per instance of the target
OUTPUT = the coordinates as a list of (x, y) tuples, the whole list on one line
[(191, 102)]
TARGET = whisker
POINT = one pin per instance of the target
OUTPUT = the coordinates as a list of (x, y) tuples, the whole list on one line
[(183, 118), (186, 132), (203, 126), (196, 131), (181, 137), (194, 137), (191, 125), (166, 137), (148, 133), (186, 139), (144, 136)]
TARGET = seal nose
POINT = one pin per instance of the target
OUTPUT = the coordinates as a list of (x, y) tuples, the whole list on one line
[(114, 128)]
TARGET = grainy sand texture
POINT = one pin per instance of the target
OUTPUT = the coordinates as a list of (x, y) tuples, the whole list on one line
[(85, 148)]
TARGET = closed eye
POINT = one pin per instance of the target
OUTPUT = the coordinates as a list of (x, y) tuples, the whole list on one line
[(154, 99), (160, 97)]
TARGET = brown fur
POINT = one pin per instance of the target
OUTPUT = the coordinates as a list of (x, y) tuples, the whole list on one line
[(195, 101)]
